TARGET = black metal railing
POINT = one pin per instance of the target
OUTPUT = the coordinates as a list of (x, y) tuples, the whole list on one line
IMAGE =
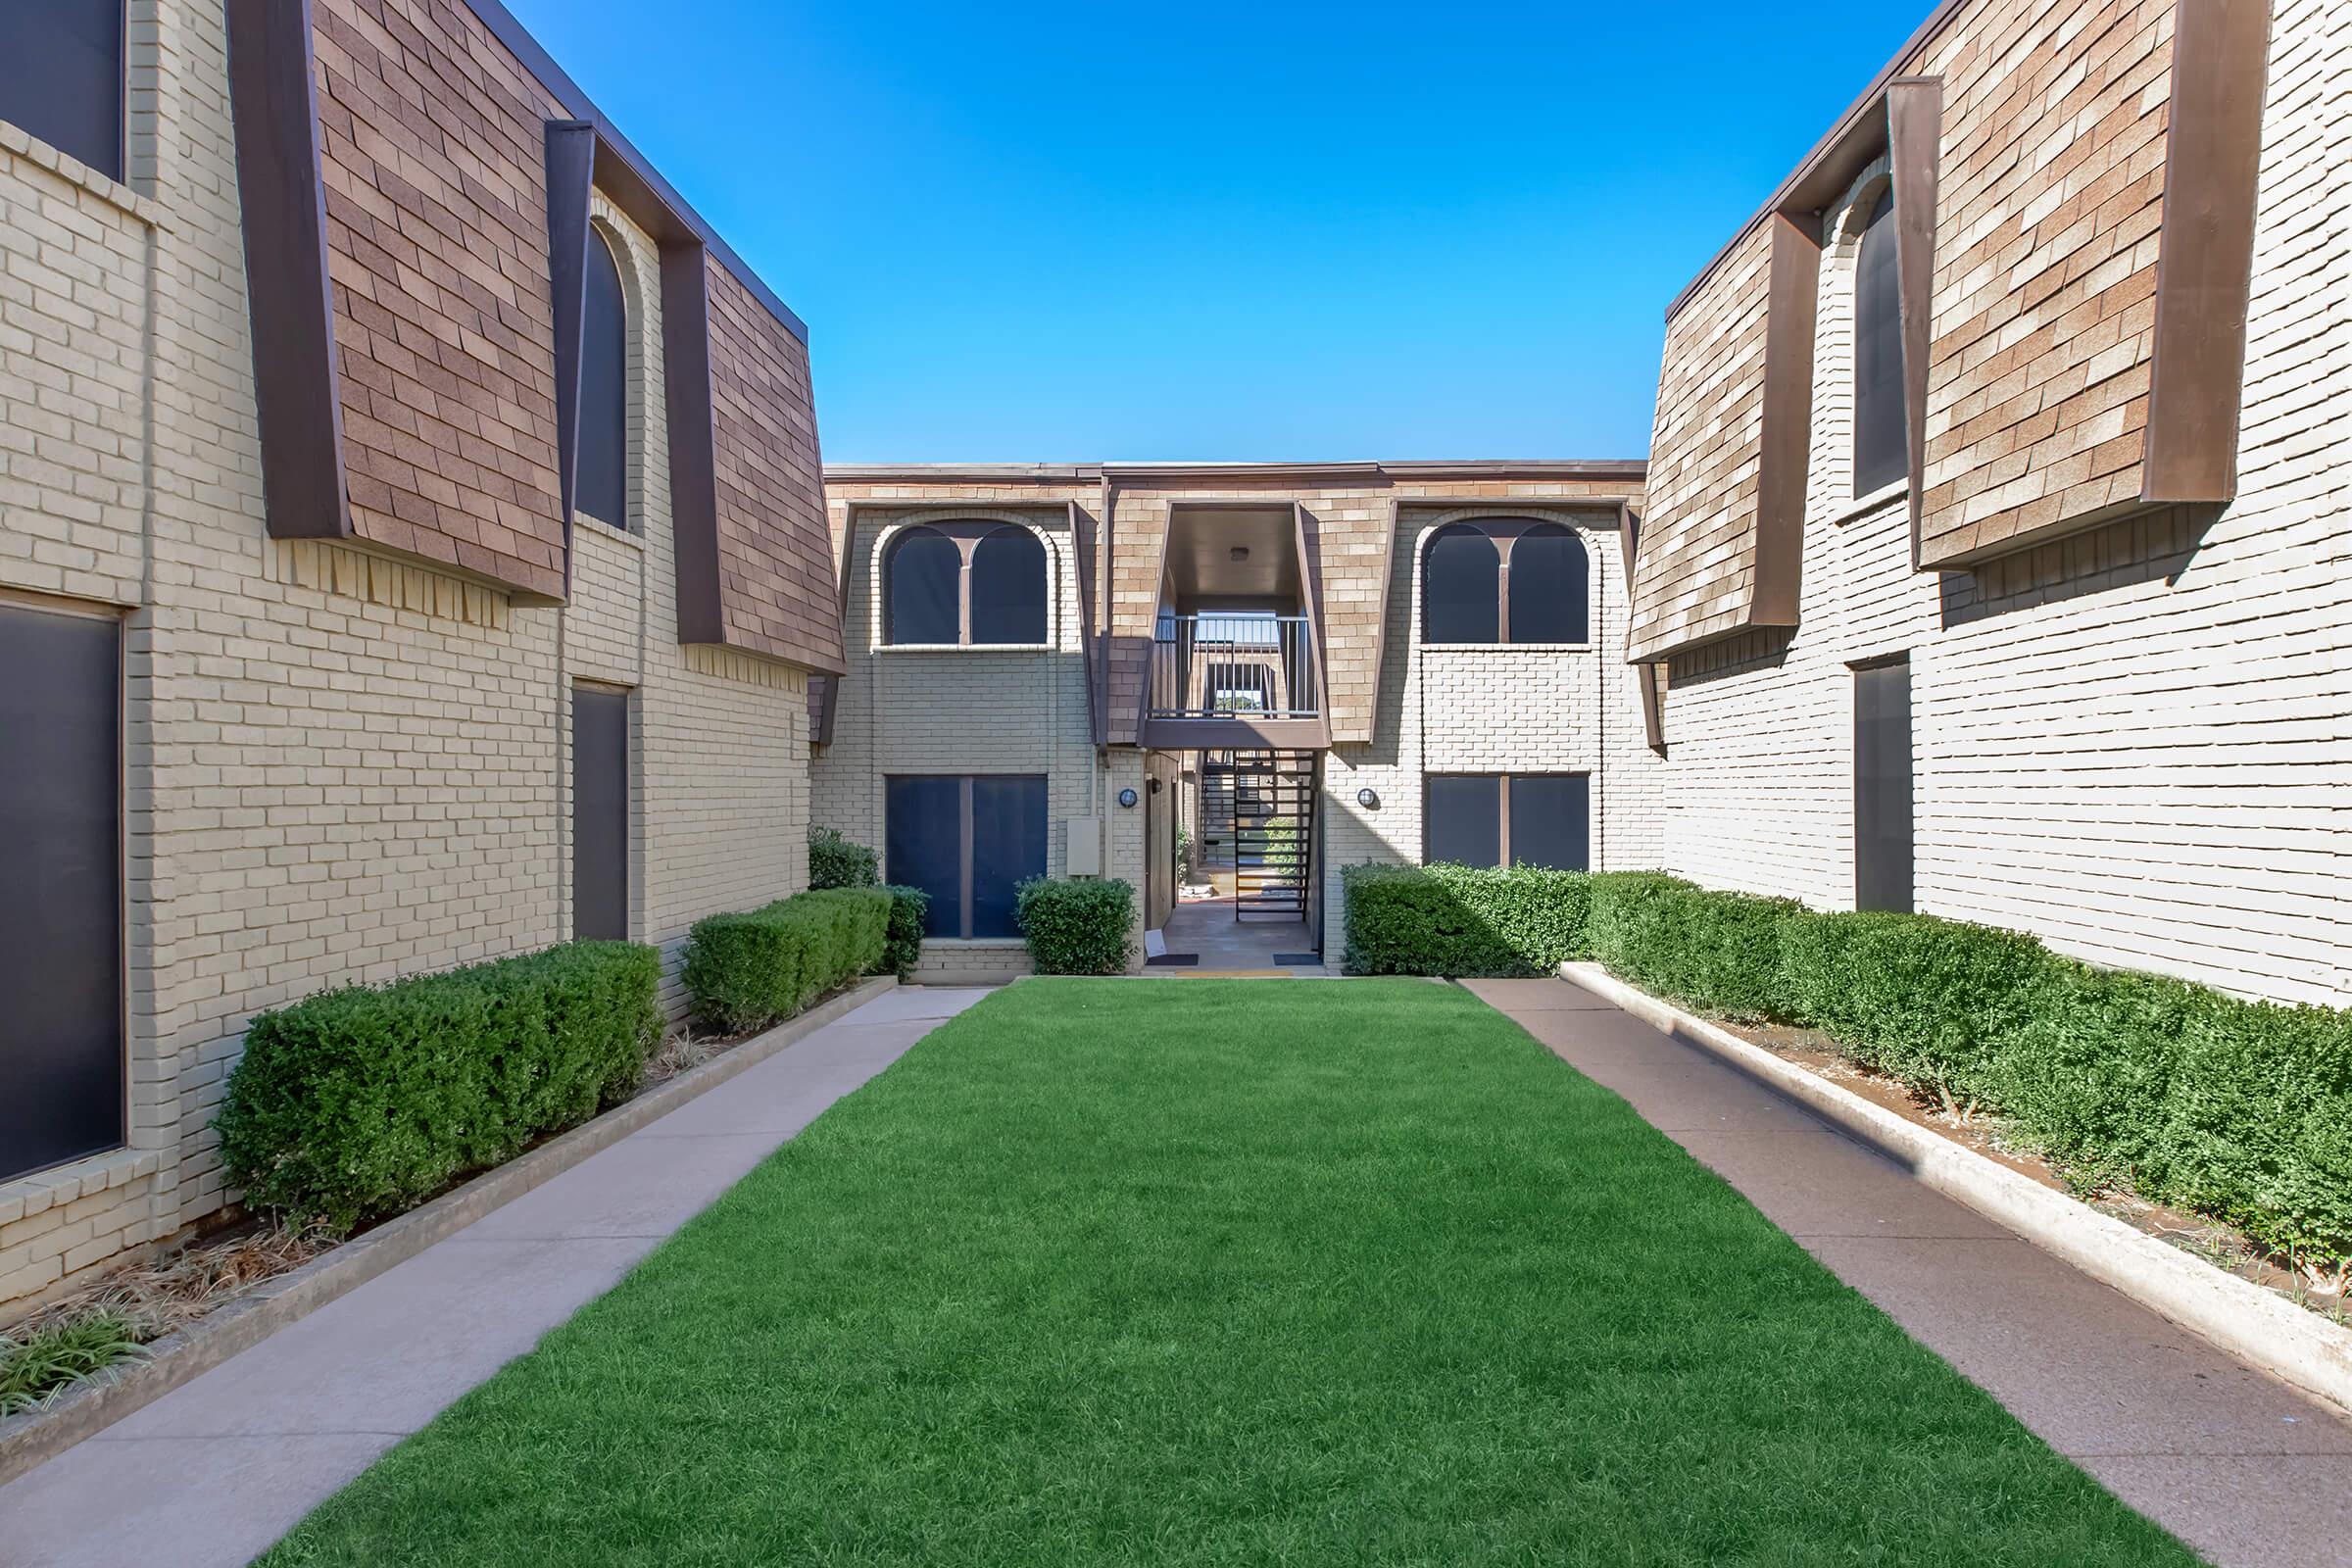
[(1227, 665)]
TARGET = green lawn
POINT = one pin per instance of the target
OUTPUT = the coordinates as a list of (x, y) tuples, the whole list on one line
[(1193, 1271)]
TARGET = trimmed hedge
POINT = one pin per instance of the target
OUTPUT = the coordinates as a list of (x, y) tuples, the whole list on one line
[(1718, 951), (903, 938), (1077, 926), (1462, 920), (836, 863), (745, 972), (2238, 1109), (362, 1102)]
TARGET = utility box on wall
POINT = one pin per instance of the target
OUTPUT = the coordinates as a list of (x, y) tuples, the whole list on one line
[(1082, 852)]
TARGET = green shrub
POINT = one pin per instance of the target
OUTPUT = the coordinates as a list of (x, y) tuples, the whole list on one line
[(747, 970), (366, 1100), (1927, 1000), (1716, 951), (836, 863), (903, 940), (57, 1355), (1077, 926), (1461, 920)]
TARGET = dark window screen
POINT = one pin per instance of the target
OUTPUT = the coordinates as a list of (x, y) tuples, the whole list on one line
[(1008, 846), (603, 486), (1009, 588), (1463, 821), (1549, 586), (1459, 588), (61, 954), (600, 815), (922, 846), (921, 581), (1880, 458), (1552, 820), (1882, 787), (61, 76)]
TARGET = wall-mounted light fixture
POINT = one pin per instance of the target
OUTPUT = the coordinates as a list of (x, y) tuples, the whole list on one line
[(1369, 799), (1127, 798), (1153, 786)]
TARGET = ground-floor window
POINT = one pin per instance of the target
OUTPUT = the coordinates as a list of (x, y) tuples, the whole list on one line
[(968, 840), (1882, 846), (1508, 820), (599, 814), (61, 925)]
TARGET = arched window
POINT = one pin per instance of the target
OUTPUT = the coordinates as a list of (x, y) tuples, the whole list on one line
[(1505, 580), (61, 76), (1009, 587), (602, 487), (1547, 575), (1881, 457), (1460, 594), (968, 584), (922, 588)]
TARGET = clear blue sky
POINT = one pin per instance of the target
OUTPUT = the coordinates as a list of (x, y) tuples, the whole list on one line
[(1066, 232)]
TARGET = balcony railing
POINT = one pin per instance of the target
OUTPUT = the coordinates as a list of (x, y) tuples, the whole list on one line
[(1224, 665)]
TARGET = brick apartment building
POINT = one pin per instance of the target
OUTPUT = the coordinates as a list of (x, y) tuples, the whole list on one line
[(413, 549), (413, 552)]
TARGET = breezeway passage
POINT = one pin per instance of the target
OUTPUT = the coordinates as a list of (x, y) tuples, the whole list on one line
[(1211, 1272)]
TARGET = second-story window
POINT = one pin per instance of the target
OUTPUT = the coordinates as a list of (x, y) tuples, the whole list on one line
[(1880, 458), (61, 76), (964, 584), (1505, 580), (602, 490)]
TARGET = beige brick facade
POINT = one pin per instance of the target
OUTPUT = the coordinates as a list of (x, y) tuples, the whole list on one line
[(340, 766), (2131, 741)]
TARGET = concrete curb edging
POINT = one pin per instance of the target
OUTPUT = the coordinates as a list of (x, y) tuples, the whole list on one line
[(29, 1439), (2256, 1326)]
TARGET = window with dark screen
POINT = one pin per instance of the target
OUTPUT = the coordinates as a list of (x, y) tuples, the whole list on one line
[(1881, 454), (1461, 594), (61, 76), (1009, 587), (1883, 790), (1549, 585), (599, 814), (970, 841), (601, 489), (1508, 820), (922, 586)]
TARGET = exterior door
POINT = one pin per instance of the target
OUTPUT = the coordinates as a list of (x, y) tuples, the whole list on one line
[(60, 887)]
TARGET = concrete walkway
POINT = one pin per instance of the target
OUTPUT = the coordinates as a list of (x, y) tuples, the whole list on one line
[(217, 1470), (2241, 1467), (1207, 929)]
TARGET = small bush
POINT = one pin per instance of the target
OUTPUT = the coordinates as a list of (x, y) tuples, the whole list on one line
[(57, 1355), (747, 970), (903, 940), (1077, 926), (1716, 951), (836, 863), (1458, 920), (1927, 1000), (366, 1100)]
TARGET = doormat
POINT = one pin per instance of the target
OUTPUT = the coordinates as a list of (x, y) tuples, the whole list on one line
[(1293, 961), (1172, 961)]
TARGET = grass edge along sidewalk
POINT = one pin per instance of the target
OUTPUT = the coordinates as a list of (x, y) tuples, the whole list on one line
[(1232, 1273)]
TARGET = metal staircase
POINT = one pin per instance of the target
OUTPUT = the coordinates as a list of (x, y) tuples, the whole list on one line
[(1267, 800)]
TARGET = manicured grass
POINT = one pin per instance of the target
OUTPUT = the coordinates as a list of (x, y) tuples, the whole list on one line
[(1202, 1272)]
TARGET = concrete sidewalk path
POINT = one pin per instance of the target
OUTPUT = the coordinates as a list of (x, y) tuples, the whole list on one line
[(2241, 1467), (217, 1470)]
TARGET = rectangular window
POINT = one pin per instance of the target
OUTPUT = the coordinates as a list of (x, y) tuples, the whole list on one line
[(61, 925), (61, 76), (599, 814), (1508, 820), (970, 841), (1883, 785)]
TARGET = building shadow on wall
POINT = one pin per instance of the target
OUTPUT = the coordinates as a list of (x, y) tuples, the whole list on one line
[(2156, 546), (1758, 649)]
